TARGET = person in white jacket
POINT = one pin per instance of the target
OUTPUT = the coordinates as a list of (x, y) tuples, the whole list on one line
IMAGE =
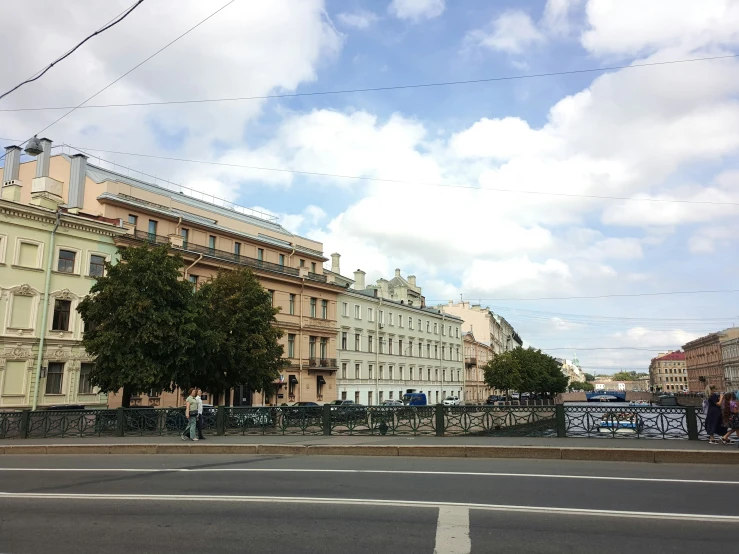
[(199, 400)]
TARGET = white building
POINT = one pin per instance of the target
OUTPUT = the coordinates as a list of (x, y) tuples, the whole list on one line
[(389, 343)]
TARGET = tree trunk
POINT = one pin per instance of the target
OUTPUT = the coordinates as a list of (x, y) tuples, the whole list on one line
[(227, 397), (126, 396)]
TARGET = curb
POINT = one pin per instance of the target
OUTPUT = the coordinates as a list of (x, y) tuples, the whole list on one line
[(457, 451)]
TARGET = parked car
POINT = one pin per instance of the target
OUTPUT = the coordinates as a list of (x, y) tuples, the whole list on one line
[(305, 404), (392, 403), (451, 401), (346, 410), (493, 398), (415, 399), (515, 396)]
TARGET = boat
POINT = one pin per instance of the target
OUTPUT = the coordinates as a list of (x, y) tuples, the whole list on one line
[(623, 423), (638, 403)]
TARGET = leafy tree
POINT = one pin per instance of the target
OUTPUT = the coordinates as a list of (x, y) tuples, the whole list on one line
[(582, 385), (239, 343), (525, 370), (589, 377), (503, 372), (624, 376), (139, 322)]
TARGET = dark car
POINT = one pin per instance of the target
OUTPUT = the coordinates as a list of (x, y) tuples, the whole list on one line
[(493, 398), (64, 407), (347, 410), (299, 404)]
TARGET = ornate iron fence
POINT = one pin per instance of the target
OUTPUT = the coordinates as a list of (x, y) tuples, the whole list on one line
[(164, 421), (383, 420), (502, 421), (10, 425), (292, 420), (631, 422), (70, 423)]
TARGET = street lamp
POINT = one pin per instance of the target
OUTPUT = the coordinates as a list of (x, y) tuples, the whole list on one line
[(33, 147)]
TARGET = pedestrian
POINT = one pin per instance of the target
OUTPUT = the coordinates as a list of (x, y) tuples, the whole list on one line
[(730, 412), (191, 415), (200, 414), (714, 416)]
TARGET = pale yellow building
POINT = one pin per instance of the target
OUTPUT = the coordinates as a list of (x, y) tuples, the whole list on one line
[(476, 356)]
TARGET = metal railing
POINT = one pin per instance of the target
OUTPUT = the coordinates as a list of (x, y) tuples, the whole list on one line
[(322, 363), (676, 423)]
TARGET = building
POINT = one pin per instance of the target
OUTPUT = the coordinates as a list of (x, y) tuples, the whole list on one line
[(211, 235), (704, 361), (389, 342), (572, 370), (489, 328), (621, 386), (730, 360), (42, 361), (668, 372), (476, 356)]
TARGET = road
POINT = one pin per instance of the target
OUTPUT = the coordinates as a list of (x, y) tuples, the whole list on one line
[(101, 504)]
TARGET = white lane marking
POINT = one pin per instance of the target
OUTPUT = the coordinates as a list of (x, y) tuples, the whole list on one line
[(715, 518), (453, 531), (374, 471)]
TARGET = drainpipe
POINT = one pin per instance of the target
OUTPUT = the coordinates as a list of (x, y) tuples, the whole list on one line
[(45, 314), (300, 339), (377, 353), (177, 229), (193, 264)]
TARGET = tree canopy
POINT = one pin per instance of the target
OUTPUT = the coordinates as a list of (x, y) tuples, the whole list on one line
[(139, 322), (525, 370), (628, 376), (589, 377), (582, 385)]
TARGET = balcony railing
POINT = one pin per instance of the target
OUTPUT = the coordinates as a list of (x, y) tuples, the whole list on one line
[(222, 255), (322, 363), (470, 361), (317, 277)]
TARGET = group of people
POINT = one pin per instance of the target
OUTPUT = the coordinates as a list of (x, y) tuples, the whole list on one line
[(722, 415), (194, 416)]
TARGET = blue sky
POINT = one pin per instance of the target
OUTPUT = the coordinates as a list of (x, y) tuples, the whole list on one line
[(669, 132)]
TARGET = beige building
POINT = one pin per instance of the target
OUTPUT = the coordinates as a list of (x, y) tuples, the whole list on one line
[(704, 360), (488, 327), (476, 356), (668, 372), (49, 259), (211, 235), (730, 360)]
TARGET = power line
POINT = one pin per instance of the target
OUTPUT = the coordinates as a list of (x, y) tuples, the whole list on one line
[(380, 89), (40, 74), (404, 182), (134, 68), (600, 296), (619, 318)]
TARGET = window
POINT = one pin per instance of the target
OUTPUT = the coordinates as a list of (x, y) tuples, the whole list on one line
[(133, 219), (370, 314), (390, 318), (390, 346), (443, 333), (62, 310), (152, 230), (357, 342), (382, 372), (313, 267), (312, 347), (212, 243), (356, 397), (343, 340), (428, 374), (458, 358), (343, 395), (382, 393), (369, 398), (66, 261), (420, 328), (382, 317), (410, 345), (357, 370), (436, 374), (282, 259), (357, 312), (324, 309), (400, 348), (271, 297), (292, 304), (28, 254), (401, 372), (185, 234), (436, 328), (370, 344), (381, 342), (456, 332), (390, 396), (428, 326), (291, 346), (54, 377), (390, 372), (436, 351), (343, 374), (371, 367), (237, 248), (344, 309), (313, 302), (411, 374), (443, 352), (410, 323), (260, 254), (85, 386), (400, 320), (194, 280), (302, 263), (324, 348), (97, 265)]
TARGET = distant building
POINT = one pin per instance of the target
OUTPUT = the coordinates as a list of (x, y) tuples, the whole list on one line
[(668, 372), (704, 360), (476, 356), (572, 369), (730, 360), (489, 328)]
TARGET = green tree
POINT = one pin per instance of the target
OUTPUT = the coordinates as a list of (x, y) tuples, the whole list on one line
[(525, 370), (589, 377), (582, 385), (239, 343), (624, 376), (139, 322), (503, 372)]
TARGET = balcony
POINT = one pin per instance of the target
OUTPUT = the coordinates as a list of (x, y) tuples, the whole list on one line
[(239, 259), (317, 277), (322, 363), (470, 361)]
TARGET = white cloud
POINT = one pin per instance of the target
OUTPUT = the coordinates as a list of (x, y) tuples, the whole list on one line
[(416, 10), (361, 19), (632, 27), (557, 15), (512, 32), (708, 239)]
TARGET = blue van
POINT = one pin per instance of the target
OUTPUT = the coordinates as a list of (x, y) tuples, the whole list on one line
[(414, 399)]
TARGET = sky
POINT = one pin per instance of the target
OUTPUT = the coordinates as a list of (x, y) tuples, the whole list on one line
[(490, 191)]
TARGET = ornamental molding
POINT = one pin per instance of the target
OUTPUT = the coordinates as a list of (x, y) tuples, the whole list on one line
[(18, 353), (65, 294), (24, 290), (58, 354)]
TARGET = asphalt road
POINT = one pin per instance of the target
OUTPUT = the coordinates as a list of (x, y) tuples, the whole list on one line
[(100, 504)]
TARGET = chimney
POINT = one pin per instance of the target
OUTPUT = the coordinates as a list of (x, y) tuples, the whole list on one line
[(359, 280), (44, 159), (412, 280), (397, 273), (335, 263), (11, 186), (77, 174)]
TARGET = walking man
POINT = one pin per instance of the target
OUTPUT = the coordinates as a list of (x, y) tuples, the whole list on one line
[(191, 415), (200, 414)]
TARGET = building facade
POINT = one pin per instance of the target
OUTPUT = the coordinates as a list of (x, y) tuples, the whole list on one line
[(704, 361), (41, 243), (476, 356), (572, 370), (389, 343), (730, 360), (212, 235), (668, 372), (488, 327)]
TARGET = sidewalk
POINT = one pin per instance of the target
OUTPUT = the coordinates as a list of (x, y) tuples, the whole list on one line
[(612, 450)]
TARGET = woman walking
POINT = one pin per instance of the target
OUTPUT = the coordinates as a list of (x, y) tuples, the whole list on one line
[(730, 412), (714, 415), (191, 414)]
